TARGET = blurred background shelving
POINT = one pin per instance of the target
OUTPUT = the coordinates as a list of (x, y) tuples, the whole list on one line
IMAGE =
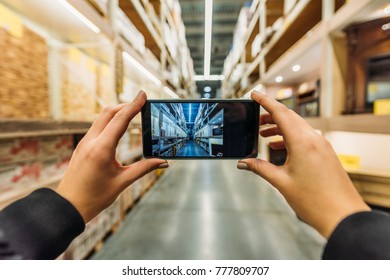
[(312, 56), (61, 63)]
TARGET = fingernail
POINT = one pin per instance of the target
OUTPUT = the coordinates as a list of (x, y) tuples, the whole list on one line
[(163, 165), (140, 93), (242, 166), (258, 92)]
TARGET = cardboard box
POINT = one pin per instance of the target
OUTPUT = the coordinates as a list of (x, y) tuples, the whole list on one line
[(16, 150), (382, 107), (24, 90), (20, 175), (79, 86)]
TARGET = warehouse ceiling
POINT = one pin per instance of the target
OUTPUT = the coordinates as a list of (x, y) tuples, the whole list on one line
[(225, 15)]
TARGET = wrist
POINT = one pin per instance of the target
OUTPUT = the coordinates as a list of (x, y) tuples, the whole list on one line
[(327, 229)]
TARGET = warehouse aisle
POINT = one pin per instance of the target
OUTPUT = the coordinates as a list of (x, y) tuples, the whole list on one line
[(192, 149), (211, 210)]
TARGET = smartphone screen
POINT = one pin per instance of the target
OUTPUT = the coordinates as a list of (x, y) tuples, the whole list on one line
[(200, 129)]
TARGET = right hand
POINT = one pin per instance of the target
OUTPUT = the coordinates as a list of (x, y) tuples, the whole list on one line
[(312, 179)]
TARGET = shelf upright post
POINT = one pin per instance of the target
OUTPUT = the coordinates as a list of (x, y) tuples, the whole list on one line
[(262, 30), (164, 50), (113, 7), (327, 63)]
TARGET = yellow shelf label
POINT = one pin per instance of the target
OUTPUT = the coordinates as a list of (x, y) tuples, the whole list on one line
[(350, 161), (10, 22), (382, 107)]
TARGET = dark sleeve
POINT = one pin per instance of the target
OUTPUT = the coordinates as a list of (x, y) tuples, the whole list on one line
[(39, 226), (361, 236)]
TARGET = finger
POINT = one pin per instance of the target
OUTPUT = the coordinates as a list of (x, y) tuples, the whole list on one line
[(120, 122), (277, 145), (139, 169), (271, 173), (279, 113), (103, 119), (272, 131), (266, 119)]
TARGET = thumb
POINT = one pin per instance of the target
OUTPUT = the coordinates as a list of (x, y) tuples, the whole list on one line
[(139, 169), (271, 173)]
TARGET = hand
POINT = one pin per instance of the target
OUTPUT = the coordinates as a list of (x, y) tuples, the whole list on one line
[(94, 179), (312, 179)]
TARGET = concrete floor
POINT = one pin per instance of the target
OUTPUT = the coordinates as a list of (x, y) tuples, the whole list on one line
[(210, 210)]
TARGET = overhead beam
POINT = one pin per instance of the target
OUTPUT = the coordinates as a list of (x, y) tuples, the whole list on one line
[(217, 17), (217, 29)]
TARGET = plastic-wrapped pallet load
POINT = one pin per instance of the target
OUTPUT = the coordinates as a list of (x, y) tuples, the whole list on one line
[(135, 138), (79, 86), (24, 91), (33, 162), (105, 87), (126, 200), (94, 233)]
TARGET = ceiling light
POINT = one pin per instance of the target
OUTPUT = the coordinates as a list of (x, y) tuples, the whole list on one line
[(386, 10), (207, 36), (207, 95), (80, 16), (209, 78), (279, 79), (296, 68), (170, 92), (141, 68), (207, 89)]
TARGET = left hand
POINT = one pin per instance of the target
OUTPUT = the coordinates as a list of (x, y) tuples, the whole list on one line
[(94, 179)]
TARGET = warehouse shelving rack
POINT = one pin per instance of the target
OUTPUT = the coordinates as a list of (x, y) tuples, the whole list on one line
[(48, 19), (312, 33)]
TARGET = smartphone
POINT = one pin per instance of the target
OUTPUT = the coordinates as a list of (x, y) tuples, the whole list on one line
[(200, 129)]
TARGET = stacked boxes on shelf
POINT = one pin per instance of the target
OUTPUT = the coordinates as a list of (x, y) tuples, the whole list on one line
[(24, 90), (107, 221), (25, 163), (84, 86), (105, 87), (238, 46), (95, 232), (79, 85), (130, 32)]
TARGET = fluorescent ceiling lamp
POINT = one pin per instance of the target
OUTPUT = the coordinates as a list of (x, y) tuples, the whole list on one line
[(141, 68), (170, 92), (80, 16), (207, 36), (209, 78)]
